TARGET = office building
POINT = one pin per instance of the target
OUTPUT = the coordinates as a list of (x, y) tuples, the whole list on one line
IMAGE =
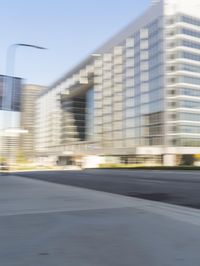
[(27, 122), (10, 117), (136, 99)]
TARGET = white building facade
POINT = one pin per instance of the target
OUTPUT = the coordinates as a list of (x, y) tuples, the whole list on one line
[(136, 99)]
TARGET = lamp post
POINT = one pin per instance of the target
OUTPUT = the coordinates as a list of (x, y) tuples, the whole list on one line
[(8, 82), (8, 90)]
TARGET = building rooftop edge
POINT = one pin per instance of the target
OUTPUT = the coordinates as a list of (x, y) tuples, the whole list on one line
[(113, 41)]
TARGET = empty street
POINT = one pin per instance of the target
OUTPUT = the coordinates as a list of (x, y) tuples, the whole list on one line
[(174, 187)]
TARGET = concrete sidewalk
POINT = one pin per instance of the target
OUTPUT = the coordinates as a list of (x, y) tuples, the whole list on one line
[(54, 225)]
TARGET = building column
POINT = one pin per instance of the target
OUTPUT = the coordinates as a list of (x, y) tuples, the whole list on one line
[(169, 160)]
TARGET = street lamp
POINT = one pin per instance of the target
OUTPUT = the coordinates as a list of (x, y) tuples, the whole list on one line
[(8, 90), (8, 82)]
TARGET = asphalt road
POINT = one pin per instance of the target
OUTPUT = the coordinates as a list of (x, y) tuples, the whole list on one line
[(174, 187)]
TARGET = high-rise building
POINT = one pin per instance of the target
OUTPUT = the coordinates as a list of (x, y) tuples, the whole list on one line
[(136, 98), (15, 93), (27, 122), (10, 118)]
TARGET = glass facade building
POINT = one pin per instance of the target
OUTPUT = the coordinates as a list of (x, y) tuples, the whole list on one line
[(16, 93), (137, 97), (9, 116)]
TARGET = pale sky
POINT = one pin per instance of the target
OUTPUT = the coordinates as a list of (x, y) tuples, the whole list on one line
[(69, 29)]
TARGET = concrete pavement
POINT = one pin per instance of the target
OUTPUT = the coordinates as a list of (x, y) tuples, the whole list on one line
[(49, 224)]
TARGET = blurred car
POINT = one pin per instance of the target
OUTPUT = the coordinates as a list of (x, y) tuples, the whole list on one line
[(4, 166)]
